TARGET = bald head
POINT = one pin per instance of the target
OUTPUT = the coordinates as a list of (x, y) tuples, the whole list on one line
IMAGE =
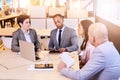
[(97, 33)]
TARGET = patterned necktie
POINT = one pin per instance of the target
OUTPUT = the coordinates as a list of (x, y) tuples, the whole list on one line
[(59, 37)]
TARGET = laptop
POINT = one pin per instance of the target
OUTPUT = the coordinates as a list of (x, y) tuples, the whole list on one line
[(27, 51)]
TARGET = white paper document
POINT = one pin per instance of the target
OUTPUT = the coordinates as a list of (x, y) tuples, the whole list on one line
[(68, 60)]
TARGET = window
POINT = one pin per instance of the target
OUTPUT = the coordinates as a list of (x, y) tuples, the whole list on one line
[(0, 5), (109, 10)]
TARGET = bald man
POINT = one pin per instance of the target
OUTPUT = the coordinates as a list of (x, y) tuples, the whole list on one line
[(104, 62)]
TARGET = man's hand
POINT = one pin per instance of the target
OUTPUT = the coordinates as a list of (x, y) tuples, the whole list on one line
[(62, 50), (61, 65), (53, 49)]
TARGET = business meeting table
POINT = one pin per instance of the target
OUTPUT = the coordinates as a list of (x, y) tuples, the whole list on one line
[(14, 67)]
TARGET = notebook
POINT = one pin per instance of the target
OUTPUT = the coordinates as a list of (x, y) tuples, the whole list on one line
[(27, 51)]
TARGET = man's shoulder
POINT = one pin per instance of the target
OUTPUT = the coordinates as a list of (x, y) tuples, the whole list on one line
[(54, 30), (69, 29), (32, 30), (17, 31)]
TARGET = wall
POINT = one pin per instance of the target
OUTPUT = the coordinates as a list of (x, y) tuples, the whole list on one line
[(113, 30)]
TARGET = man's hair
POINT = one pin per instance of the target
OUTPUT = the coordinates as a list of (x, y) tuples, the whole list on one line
[(21, 18), (58, 15)]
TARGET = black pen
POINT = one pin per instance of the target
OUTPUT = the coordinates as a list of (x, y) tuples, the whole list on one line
[(4, 66)]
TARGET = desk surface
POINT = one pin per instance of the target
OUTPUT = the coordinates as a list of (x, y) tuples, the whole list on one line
[(9, 31), (15, 67)]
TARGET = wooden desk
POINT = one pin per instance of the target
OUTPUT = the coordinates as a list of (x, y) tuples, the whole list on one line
[(17, 67), (9, 31)]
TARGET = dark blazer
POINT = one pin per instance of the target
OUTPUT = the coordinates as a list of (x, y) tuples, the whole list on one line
[(19, 35), (69, 40)]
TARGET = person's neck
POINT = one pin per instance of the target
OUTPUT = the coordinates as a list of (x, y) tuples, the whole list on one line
[(101, 42), (24, 30)]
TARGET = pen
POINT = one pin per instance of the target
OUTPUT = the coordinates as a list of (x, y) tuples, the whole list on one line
[(4, 66)]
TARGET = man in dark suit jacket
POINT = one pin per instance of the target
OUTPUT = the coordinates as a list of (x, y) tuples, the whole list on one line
[(68, 41), (24, 33)]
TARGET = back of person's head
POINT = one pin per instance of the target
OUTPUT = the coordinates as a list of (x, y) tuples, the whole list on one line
[(58, 15), (99, 32), (21, 18), (85, 24)]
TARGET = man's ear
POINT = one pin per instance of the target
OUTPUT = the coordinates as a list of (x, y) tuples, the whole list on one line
[(94, 39), (20, 24)]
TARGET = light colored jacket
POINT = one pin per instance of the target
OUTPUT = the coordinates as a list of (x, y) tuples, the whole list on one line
[(104, 64)]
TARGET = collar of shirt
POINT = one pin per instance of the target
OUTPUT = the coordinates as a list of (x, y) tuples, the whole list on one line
[(27, 37), (61, 29)]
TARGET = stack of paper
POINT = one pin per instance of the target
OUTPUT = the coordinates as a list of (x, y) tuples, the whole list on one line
[(68, 60)]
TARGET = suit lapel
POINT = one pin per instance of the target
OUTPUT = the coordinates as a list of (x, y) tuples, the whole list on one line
[(31, 35), (63, 36), (55, 39), (22, 35)]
